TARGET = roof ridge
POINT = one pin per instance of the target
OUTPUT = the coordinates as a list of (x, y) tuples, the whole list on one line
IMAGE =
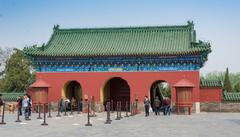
[(131, 28)]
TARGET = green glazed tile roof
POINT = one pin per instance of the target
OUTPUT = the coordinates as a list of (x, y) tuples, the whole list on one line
[(11, 96), (210, 83), (130, 41), (231, 96)]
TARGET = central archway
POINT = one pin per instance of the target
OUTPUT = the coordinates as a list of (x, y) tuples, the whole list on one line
[(116, 89), (72, 90)]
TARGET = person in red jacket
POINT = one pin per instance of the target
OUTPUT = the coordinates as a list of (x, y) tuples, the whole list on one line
[(166, 106), (19, 105)]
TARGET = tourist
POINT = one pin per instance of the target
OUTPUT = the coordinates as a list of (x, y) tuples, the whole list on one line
[(146, 105), (19, 105), (1, 104), (167, 108), (61, 105), (157, 105), (25, 104), (29, 105), (67, 104), (80, 105)]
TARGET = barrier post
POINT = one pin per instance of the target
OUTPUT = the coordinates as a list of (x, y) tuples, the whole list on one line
[(126, 107), (18, 119), (108, 121), (88, 123), (2, 122), (49, 110), (39, 111), (44, 116), (58, 114)]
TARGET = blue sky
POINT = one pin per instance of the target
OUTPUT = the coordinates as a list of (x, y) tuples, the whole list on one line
[(27, 22)]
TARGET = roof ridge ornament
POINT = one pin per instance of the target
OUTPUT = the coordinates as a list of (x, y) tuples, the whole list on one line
[(190, 23), (56, 27)]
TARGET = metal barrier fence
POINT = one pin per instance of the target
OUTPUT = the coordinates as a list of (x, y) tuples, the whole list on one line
[(46, 108)]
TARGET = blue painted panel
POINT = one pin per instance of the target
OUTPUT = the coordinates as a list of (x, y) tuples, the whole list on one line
[(119, 64)]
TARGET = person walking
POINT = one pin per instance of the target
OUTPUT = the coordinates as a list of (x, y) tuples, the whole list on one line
[(19, 105), (25, 103), (146, 105), (61, 105), (157, 105), (29, 105), (167, 108), (1, 104), (80, 103)]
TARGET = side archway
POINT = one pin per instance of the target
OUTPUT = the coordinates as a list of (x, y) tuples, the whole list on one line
[(160, 89), (72, 90), (115, 89)]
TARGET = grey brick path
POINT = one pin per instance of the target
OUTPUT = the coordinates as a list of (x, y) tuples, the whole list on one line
[(196, 125)]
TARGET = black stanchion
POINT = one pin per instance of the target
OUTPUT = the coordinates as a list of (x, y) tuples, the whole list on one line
[(2, 122), (71, 109), (126, 107), (117, 109), (39, 111), (65, 109), (112, 106), (44, 115), (136, 107), (18, 119), (78, 107), (108, 121), (58, 114), (131, 109), (120, 109), (88, 123), (49, 110)]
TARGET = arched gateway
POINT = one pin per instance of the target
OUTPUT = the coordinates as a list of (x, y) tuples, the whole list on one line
[(139, 54), (159, 89), (72, 89), (116, 89)]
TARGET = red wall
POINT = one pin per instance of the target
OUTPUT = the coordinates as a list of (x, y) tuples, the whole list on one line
[(139, 82), (210, 95)]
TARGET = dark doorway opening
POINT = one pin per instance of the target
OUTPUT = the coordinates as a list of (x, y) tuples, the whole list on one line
[(116, 89)]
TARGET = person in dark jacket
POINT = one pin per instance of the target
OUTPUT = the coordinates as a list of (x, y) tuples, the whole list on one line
[(19, 105), (61, 105), (157, 103), (80, 105), (29, 105), (146, 105)]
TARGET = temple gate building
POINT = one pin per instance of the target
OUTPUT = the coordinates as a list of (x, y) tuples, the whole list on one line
[(122, 64)]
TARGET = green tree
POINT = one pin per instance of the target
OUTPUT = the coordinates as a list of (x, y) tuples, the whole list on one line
[(227, 86), (17, 73), (165, 89), (215, 75)]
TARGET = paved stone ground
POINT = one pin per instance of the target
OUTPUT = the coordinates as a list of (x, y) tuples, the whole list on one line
[(196, 125)]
